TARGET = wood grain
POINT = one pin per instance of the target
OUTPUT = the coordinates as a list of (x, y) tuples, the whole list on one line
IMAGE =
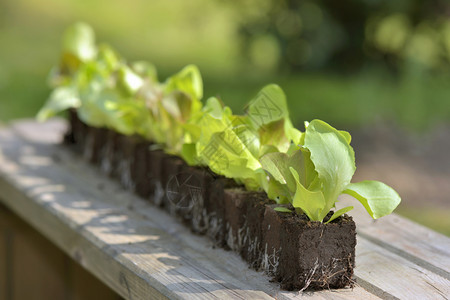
[(141, 252), (396, 275), (420, 245)]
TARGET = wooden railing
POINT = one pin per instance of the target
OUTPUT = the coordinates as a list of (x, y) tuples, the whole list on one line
[(141, 252)]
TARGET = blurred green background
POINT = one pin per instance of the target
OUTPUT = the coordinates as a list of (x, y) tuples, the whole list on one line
[(378, 68)]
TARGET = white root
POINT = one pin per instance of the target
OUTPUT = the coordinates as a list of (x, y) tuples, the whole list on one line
[(236, 243), (270, 262), (158, 194), (323, 280), (124, 170)]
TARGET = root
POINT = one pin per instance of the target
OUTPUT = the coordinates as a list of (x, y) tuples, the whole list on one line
[(236, 243), (199, 216), (324, 279), (125, 174), (270, 262), (310, 275), (215, 227), (158, 194)]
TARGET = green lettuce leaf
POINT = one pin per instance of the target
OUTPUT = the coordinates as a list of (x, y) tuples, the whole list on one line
[(268, 106), (378, 198), (268, 115), (79, 40), (60, 99), (128, 81), (339, 213), (188, 81), (282, 209), (333, 158), (312, 203)]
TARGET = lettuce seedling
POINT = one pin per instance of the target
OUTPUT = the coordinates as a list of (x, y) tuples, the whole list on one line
[(170, 105), (231, 145), (216, 138), (101, 89), (313, 174), (268, 116), (260, 149), (78, 47), (109, 93)]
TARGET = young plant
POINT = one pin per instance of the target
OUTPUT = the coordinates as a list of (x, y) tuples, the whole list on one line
[(309, 170), (231, 145), (171, 105), (314, 173), (95, 81), (107, 92)]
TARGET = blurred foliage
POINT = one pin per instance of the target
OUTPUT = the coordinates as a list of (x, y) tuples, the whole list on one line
[(349, 62), (305, 34)]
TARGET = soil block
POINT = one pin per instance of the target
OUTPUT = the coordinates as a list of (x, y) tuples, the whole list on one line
[(194, 185), (173, 199), (139, 169), (253, 249), (312, 255), (271, 245), (244, 212), (154, 175), (215, 210), (69, 136), (127, 161), (94, 141), (77, 132), (108, 152)]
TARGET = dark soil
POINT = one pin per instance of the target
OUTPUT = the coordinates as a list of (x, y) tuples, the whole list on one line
[(316, 255), (171, 167), (253, 248), (195, 183), (95, 139), (109, 153), (271, 228), (139, 169), (154, 171), (215, 210), (127, 160)]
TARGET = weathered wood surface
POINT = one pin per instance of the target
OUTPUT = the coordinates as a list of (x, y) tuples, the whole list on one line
[(31, 267), (142, 253)]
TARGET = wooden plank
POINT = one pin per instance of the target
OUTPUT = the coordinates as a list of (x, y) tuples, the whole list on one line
[(89, 212), (42, 268), (87, 287), (40, 201), (134, 248), (39, 268), (420, 245), (344, 294), (105, 245), (395, 275), (4, 245)]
